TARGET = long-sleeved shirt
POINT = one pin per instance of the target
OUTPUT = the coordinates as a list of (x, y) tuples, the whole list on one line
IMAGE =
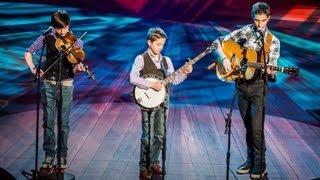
[(253, 41), (138, 65), (38, 44)]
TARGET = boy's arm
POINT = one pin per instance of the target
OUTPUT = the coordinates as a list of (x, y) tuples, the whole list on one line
[(135, 78)]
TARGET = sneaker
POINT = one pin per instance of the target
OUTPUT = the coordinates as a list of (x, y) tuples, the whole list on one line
[(255, 172), (63, 163), (244, 168), (47, 163), (144, 174), (156, 169)]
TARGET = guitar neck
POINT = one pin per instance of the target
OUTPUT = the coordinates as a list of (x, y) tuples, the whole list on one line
[(261, 66), (286, 70)]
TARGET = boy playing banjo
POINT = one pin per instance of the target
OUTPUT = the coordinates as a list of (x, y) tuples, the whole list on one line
[(152, 62)]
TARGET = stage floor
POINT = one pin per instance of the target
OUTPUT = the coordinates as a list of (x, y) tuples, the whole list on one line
[(105, 124)]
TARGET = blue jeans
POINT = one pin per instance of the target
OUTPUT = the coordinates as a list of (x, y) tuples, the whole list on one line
[(49, 97), (156, 132)]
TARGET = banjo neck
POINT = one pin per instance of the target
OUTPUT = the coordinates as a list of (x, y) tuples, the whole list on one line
[(179, 71)]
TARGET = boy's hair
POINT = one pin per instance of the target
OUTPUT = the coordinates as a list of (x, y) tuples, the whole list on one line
[(60, 19), (156, 33), (260, 8)]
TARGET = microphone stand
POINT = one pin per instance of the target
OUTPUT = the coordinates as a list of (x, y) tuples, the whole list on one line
[(149, 140), (265, 84), (164, 150), (228, 119), (35, 172), (228, 131)]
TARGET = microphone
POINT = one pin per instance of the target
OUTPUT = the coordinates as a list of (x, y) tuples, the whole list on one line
[(261, 31), (49, 30)]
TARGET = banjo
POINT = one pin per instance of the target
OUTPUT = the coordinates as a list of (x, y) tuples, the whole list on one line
[(150, 99)]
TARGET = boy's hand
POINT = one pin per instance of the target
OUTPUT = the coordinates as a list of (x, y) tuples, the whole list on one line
[(34, 71), (271, 72), (188, 69), (227, 65), (157, 85), (78, 67)]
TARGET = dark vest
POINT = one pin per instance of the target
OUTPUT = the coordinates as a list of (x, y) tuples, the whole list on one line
[(150, 68), (52, 53)]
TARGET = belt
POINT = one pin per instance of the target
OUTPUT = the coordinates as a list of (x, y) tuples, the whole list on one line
[(65, 82)]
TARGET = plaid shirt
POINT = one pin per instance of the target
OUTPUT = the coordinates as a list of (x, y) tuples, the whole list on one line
[(38, 44), (253, 41)]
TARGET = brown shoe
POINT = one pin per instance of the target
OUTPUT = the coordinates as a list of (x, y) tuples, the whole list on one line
[(144, 174), (156, 169)]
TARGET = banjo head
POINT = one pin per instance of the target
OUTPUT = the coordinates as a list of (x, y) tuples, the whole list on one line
[(149, 99)]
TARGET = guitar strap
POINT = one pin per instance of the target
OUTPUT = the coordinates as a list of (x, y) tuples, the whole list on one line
[(267, 46), (164, 65)]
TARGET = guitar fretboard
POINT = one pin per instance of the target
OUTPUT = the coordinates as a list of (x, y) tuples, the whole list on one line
[(287, 70)]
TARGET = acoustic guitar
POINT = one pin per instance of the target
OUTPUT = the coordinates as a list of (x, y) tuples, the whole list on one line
[(244, 63)]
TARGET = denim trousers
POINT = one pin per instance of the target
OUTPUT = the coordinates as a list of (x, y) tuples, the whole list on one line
[(49, 100), (157, 118)]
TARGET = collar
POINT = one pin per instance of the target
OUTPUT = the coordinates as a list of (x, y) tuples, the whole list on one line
[(255, 32), (154, 57)]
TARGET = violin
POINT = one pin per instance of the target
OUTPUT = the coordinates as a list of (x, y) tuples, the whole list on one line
[(74, 54)]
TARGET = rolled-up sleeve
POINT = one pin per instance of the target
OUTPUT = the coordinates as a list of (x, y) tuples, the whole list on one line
[(36, 45)]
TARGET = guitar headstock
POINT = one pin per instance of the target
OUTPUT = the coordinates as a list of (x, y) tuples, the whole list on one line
[(293, 71)]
